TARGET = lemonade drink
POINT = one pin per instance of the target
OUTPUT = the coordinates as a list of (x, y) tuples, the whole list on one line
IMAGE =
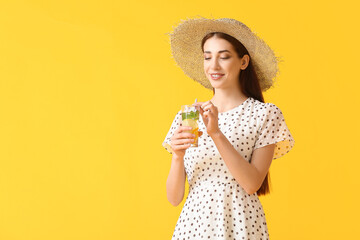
[(190, 116)]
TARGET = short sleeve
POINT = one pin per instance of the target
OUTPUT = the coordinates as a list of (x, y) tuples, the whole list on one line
[(174, 125), (274, 130)]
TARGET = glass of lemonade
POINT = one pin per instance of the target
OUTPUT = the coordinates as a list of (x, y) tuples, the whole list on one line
[(190, 116)]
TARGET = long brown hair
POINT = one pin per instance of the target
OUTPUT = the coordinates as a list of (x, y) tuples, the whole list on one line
[(249, 85)]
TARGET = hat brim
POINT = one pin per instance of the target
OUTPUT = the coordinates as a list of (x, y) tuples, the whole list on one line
[(186, 49)]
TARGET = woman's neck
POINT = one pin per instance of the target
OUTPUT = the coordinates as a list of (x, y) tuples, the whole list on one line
[(225, 101)]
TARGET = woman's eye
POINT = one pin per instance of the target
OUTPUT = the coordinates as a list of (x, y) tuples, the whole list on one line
[(220, 58)]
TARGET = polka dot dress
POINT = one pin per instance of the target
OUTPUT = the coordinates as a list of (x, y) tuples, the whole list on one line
[(217, 207)]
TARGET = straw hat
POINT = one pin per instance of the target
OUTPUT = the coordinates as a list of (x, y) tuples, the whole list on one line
[(185, 41)]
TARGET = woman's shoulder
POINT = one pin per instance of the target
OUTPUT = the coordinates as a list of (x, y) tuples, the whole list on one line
[(261, 106)]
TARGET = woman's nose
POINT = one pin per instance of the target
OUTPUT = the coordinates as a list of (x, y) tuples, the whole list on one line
[(215, 64)]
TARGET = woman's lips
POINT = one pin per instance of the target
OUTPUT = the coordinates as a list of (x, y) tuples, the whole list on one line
[(216, 76)]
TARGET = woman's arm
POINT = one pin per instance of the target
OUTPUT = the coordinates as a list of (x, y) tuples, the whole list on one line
[(175, 184), (249, 175)]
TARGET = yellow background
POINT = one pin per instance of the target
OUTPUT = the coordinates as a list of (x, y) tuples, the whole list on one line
[(88, 90)]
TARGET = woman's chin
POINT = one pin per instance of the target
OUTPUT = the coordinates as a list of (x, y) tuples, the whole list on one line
[(215, 84)]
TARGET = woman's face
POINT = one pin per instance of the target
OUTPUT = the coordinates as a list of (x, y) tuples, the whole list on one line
[(221, 58)]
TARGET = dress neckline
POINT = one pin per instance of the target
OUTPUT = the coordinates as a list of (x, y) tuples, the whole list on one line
[(233, 109)]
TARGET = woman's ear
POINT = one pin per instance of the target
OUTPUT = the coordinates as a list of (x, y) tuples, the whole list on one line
[(245, 61)]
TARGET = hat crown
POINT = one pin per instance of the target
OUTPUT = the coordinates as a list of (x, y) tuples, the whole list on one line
[(232, 21)]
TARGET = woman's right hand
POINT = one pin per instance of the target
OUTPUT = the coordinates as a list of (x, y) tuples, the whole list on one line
[(181, 140)]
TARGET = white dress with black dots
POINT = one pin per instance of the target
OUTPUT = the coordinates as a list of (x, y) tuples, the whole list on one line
[(217, 207)]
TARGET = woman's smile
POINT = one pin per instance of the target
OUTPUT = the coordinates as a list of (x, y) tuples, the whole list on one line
[(216, 76)]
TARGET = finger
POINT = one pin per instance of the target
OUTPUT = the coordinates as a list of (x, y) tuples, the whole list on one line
[(201, 110), (183, 128), (209, 105), (207, 108), (205, 104), (180, 147), (214, 109), (182, 135), (208, 114), (211, 111), (185, 135), (182, 141)]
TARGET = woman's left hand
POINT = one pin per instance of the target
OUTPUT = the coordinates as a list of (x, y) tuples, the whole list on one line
[(209, 113)]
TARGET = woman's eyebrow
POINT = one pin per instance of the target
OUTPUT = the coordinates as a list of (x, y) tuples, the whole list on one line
[(218, 51)]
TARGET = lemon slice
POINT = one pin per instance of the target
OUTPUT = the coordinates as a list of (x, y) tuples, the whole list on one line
[(190, 122)]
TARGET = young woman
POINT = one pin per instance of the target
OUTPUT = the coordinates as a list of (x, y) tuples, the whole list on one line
[(241, 134)]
